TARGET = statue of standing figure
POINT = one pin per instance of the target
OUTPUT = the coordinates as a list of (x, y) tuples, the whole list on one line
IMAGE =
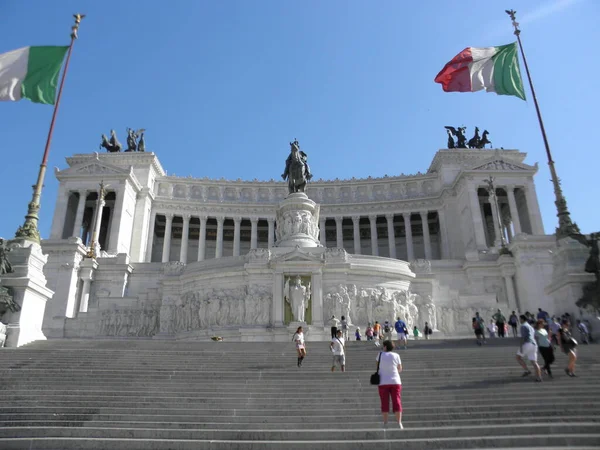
[(297, 173), (298, 296)]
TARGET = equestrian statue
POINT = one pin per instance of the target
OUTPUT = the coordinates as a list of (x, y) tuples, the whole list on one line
[(297, 173)]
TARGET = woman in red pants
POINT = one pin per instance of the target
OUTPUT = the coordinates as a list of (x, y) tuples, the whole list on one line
[(390, 385)]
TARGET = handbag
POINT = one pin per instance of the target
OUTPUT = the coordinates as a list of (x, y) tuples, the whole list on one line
[(375, 378)]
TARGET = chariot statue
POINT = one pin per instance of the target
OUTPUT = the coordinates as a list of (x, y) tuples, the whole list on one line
[(297, 173), (111, 145)]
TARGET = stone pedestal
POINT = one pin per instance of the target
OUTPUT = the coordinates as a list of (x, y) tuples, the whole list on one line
[(568, 275), (28, 285), (298, 222)]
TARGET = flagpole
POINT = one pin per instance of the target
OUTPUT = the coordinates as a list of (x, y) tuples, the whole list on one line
[(565, 226), (29, 230)]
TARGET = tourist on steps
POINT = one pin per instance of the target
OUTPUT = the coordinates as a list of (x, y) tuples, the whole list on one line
[(401, 331), (337, 348), (427, 330), (500, 323), (390, 384), (478, 328), (528, 349), (300, 345), (544, 346), (377, 333), (513, 321), (369, 332), (344, 329), (334, 323), (567, 344), (492, 328), (357, 334), (553, 328)]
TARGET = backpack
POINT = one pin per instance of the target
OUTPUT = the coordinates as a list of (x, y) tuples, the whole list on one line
[(386, 329)]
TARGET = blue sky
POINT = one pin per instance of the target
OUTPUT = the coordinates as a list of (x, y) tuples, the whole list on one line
[(222, 87)]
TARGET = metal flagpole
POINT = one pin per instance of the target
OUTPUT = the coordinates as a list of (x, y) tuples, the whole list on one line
[(565, 226), (29, 230)]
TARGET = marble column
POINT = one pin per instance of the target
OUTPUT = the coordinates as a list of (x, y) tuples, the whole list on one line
[(183, 252), (444, 250), (356, 230), (271, 232), (426, 236), (317, 299), (237, 222), (277, 305), (322, 234), (374, 244), (202, 239), (508, 273), (219, 244), (391, 235), (410, 251), (496, 222), (150, 237), (79, 214), (339, 233), (166, 253), (535, 216), (85, 294), (514, 212), (253, 232), (476, 217)]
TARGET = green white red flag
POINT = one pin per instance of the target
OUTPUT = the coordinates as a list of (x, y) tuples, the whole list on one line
[(495, 69), (32, 73)]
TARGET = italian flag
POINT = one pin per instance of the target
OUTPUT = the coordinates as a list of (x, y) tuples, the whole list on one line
[(495, 69), (32, 73)]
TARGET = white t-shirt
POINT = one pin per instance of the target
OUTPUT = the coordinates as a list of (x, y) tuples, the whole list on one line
[(388, 368), (299, 338), (334, 322), (338, 346)]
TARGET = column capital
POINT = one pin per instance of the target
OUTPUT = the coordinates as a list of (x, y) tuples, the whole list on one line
[(390, 217), (203, 218), (270, 220), (372, 217), (254, 219), (338, 219), (355, 218), (423, 214), (169, 216), (220, 219), (186, 217), (406, 215), (237, 220)]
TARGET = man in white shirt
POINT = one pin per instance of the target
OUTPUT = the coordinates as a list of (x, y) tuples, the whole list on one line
[(337, 348), (335, 323)]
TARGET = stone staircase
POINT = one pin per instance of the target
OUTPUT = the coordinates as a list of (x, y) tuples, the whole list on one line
[(144, 394)]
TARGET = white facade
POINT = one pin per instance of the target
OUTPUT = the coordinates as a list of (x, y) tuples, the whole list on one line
[(188, 257)]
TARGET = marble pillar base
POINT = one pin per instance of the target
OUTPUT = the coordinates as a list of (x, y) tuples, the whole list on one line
[(28, 285), (298, 222)]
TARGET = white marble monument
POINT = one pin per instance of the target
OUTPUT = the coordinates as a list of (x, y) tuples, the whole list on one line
[(190, 258)]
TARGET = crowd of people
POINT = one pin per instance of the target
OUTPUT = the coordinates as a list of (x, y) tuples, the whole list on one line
[(540, 333)]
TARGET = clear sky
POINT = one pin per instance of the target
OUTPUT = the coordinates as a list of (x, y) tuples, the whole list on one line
[(222, 87)]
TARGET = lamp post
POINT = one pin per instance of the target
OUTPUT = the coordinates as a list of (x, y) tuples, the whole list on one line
[(565, 227)]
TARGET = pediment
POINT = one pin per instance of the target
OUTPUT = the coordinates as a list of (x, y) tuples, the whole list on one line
[(500, 165), (94, 167), (300, 255)]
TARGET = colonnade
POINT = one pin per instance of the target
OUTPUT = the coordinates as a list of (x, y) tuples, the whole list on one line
[(406, 220)]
